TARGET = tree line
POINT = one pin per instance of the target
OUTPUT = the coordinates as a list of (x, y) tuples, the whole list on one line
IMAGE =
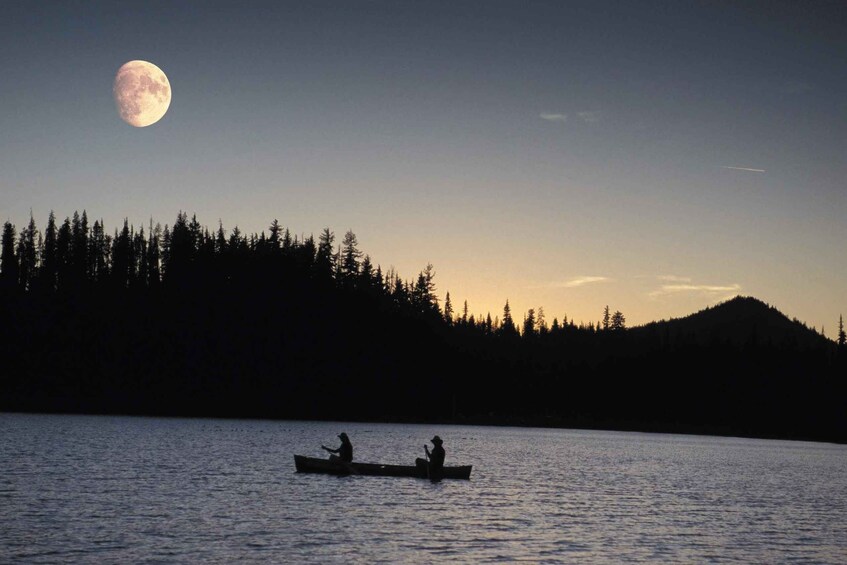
[(183, 320), (75, 254)]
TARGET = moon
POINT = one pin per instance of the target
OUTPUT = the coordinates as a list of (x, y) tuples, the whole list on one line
[(142, 93)]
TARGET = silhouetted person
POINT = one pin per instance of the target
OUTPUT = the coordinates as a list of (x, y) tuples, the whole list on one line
[(436, 459), (344, 451)]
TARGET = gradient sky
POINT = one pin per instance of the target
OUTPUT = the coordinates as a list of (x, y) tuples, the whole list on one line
[(657, 157)]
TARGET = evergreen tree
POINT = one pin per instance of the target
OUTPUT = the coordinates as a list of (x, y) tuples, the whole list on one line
[(79, 247), (529, 323), (28, 254), (378, 280), (541, 322), (366, 275), (287, 244), (182, 248), (63, 254), (99, 252), (448, 309), (507, 325), (9, 273), (154, 255), (123, 270), (275, 238), (465, 313), (618, 321), (399, 294), (220, 239), (325, 259), (842, 337), (350, 257), (140, 259), (606, 318), (423, 296), (49, 262)]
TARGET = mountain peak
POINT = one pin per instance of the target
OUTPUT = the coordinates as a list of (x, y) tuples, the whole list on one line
[(741, 320)]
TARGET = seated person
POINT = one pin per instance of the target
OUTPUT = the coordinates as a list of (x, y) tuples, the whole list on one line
[(344, 451)]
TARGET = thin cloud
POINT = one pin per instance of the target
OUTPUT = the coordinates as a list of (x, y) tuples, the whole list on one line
[(553, 117), (582, 281), (573, 282), (725, 291), (674, 278), (589, 117), (749, 170)]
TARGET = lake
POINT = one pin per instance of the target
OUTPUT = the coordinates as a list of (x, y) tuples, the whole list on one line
[(134, 490)]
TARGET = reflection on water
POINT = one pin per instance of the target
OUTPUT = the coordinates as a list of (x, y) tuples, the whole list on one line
[(77, 488)]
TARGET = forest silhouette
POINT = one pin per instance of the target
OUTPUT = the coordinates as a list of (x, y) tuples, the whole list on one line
[(187, 321)]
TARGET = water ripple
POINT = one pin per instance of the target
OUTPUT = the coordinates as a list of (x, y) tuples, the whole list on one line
[(109, 489)]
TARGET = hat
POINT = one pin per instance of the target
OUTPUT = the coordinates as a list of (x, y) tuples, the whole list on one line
[(436, 440), (342, 435)]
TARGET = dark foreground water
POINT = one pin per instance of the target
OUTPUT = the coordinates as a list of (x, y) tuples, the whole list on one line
[(133, 490)]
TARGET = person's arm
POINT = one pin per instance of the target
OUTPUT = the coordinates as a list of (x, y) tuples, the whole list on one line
[(330, 450), (426, 448)]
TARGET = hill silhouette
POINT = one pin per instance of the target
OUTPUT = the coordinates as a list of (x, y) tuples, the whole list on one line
[(742, 320), (185, 321)]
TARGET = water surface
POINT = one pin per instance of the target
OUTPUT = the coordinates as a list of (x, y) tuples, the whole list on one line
[(122, 489)]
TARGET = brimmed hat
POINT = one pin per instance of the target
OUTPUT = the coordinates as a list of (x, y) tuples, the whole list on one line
[(342, 435), (436, 440)]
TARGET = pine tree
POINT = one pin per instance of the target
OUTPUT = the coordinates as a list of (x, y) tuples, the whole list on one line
[(448, 309), (541, 322), (49, 263), (606, 318), (98, 252), (274, 239), (78, 259), (618, 321), (123, 270), (63, 254), (529, 323), (366, 274), (287, 244), (28, 254), (379, 282), (154, 255), (325, 260), (182, 247), (220, 239), (507, 325), (9, 273), (842, 337), (350, 257), (139, 254)]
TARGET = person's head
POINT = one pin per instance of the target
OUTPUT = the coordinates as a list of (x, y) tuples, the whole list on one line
[(436, 440), (344, 437)]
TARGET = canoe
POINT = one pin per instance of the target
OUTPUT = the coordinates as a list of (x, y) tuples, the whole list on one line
[(338, 467)]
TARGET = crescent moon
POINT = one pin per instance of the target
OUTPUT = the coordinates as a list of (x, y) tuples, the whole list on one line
[(142, 93)]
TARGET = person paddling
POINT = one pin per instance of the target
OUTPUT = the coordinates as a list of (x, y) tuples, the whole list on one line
[(436, 459), (344, 451)]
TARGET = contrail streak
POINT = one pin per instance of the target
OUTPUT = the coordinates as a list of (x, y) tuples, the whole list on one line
[(744, 169)]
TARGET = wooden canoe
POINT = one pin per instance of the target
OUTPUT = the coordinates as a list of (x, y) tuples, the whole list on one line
[(336, 467)]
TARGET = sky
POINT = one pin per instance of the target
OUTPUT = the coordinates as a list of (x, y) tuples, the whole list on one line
[(655, 157)]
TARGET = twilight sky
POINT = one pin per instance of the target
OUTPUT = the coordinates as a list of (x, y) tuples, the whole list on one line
[(657, 157)]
